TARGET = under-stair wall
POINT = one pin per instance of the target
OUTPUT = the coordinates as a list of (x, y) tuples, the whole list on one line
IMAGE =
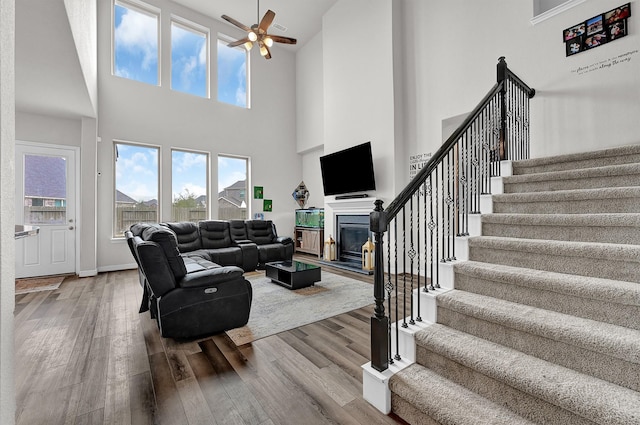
[(543, 323)]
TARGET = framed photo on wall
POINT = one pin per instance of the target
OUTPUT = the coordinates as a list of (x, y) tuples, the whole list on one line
[(597, 31)]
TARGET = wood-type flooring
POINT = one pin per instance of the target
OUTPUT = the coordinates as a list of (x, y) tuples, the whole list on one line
[(84, 355)]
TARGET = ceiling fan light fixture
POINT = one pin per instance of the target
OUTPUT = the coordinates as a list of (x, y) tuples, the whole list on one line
[(252, 36), (248, 45), (268, 41), (263, 49)]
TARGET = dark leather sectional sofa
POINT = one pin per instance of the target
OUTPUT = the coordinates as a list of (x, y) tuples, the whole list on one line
[(192, 274), (248, 244)]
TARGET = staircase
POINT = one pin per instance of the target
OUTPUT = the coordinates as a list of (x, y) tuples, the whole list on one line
[(543, 323)]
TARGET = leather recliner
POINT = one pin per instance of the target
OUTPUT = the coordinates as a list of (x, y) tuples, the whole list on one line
[(189, 297)]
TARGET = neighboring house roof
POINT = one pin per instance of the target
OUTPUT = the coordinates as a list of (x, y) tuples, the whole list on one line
[(45, 177), (201, 200), (238, 203), (239, 185), (121, 198), (151, 203)]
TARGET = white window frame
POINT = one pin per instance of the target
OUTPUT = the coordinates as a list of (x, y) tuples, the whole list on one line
[(198, 29), (143, 8)]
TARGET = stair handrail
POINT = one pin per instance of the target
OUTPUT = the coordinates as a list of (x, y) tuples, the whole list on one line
[(381, 217)]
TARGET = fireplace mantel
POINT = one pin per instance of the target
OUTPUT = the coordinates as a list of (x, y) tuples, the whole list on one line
[(354, 206)]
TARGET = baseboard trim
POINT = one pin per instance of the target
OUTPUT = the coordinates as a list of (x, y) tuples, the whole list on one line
[(117, 267), (87, 273)]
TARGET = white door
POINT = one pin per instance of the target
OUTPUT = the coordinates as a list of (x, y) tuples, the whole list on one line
[(46, 197)]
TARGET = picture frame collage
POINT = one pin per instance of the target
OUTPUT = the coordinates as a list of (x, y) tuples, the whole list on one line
[(597, 31)]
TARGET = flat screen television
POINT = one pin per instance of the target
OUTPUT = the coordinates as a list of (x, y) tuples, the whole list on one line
[(348, 171)]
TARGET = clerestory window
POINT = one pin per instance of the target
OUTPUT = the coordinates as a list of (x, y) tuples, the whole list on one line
[(136, 41), (233, 76), (189, 58)]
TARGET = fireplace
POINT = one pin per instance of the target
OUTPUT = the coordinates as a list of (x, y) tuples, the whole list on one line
[(352, 232)]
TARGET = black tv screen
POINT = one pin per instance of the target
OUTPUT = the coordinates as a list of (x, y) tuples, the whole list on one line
[(348, 171)]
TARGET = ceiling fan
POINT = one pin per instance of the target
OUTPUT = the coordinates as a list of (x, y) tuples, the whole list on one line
[(257, 34)]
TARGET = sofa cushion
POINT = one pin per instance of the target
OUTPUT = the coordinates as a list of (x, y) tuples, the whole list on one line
[(187, 235), (238, 230), (260, 232), (215, 234), (195, 264), (229, 256), (167, 240)]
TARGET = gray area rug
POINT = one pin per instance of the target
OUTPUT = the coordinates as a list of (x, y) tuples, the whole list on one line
[(277, 309)]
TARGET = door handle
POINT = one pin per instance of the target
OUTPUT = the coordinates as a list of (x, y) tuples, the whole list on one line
[(70, 227)]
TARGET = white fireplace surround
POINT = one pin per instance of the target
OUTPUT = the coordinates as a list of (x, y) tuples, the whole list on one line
[(356, 206)]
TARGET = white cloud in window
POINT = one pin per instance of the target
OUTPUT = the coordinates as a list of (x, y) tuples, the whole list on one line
[(137, 34)]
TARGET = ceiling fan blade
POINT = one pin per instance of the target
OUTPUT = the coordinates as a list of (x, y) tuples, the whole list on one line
[(281, 39), (236, 23), (238, 42), (267, 19)]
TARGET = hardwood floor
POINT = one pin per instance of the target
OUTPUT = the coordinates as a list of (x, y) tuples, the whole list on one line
[(83, 355)]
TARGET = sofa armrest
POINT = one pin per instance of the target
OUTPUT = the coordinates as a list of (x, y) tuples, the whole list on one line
[(286, 240), (242, 242), (209, 277), (250, 256)]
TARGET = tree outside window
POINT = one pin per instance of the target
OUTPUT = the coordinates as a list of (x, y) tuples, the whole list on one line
[(189, 177)]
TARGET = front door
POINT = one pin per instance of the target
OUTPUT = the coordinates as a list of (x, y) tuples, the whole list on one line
[(46, 197)]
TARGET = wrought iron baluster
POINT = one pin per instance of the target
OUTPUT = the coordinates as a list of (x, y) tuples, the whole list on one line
[(412, 254)]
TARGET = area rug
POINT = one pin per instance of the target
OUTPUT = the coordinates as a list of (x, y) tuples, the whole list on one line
[(277, 309), (37, 284)]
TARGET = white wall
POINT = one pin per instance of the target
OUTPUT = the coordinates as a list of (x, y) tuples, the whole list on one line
[(310, 95), (358, 86), (83, 24), (137, 112), (454, 57), (7, 209)]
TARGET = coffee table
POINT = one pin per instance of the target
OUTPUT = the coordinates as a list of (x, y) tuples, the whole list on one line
[(293, 274)]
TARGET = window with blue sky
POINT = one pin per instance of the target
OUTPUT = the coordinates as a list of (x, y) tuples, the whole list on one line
[(189, 177), (189, 59), (135, 42), (232, 74), (137, 185), (233, 202)]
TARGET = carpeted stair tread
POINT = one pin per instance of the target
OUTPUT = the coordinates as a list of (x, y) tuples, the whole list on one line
[(607, 339), (618, 291), (614, 261), (600, 220), (447, 402), (573, 195), (621, 228), (584, 395), (575, 201), (618, 155), (596, 177)]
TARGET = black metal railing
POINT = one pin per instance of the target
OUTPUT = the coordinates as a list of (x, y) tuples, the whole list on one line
[(423, 221)]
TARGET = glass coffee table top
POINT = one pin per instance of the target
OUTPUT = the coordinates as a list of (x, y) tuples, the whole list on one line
[(293, 266)]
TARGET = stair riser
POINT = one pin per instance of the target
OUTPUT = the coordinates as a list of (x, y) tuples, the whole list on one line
[(557, 262), (580, 359), (619, 234), (522, 168), (583, 206), (518, 401), (409, 413), (594, 309), (570, 184)]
